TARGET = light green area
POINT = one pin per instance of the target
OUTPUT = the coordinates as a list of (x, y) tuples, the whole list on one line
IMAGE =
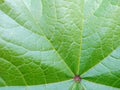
[(45, 43), (2, 1)]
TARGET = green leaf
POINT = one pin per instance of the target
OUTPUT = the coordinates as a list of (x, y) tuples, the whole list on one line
[(1, 1), (45, 44)]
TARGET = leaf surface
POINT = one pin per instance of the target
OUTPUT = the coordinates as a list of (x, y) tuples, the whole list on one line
[(44, 44)]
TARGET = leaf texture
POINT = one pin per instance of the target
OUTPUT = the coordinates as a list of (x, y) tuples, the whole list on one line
[(44, 44)]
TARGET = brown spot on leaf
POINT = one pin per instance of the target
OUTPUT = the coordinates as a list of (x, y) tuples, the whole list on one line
[(77, 78)]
